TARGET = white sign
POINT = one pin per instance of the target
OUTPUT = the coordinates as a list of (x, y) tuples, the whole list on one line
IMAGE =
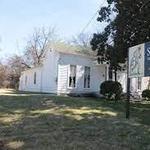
[(136, 61)]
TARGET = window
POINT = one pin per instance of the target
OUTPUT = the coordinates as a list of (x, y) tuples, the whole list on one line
[(72, 76), (139, 83), (26, 79), (87, 77), (34, 77)]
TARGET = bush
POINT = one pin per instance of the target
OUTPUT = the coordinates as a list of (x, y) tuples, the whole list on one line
[(146, 94), (111, 89)]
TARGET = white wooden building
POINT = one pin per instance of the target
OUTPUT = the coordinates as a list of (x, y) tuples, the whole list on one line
[(65, 71), (70, 71), (137, 85)]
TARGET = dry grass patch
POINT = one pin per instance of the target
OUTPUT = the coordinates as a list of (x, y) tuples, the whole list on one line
[(43, 122)]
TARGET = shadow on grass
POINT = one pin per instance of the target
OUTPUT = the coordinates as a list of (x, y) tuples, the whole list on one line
[(141, 111), (49, 131), (44, 122)]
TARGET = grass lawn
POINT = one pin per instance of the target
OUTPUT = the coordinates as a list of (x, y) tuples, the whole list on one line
[(42, 122)]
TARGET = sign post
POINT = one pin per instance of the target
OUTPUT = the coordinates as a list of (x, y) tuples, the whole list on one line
[(128, 90), (128, 99), (138, 66)]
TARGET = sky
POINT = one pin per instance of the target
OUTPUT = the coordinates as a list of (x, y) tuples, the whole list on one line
[(18, 18)]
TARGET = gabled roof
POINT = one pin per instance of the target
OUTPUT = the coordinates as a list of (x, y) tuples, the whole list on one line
[(62, 47), (32, 68)]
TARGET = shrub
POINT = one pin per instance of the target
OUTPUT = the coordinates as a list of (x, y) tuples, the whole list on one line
[(146, 94), (111, 89)]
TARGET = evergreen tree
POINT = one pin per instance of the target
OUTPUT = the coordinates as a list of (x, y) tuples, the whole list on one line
[(128, 25)]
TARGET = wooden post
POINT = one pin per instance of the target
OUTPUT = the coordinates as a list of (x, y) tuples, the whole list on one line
[(128, 99), (128, 91)]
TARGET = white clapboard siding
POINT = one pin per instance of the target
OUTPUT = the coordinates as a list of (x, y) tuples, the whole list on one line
[(52, 76), (62, 78)]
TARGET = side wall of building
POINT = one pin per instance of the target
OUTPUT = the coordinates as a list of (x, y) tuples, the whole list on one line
[(46, 76), (49, 72), (136, 84), (27, 80)]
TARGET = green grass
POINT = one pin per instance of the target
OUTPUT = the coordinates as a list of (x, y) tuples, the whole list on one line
[(31, 121)]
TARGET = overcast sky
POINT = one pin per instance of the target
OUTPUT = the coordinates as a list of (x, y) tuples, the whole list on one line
[(18, 18)]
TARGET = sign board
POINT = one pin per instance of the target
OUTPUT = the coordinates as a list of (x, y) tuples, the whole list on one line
[(139, 61), (147, 59)]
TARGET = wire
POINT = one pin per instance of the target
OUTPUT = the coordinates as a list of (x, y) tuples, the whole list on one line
[(144, 5), (89, 22)]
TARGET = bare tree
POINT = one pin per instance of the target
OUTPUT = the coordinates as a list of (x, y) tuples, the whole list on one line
[(15, 65), (2, 74), (10, 71), (82, 40), (38, 44)]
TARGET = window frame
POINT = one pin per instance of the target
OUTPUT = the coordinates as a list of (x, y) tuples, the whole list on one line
[(35, 78), (139, 83), (69, 71), (88, 86)]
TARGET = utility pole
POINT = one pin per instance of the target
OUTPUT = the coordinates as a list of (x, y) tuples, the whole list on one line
[(128, 99), (128, 90)]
